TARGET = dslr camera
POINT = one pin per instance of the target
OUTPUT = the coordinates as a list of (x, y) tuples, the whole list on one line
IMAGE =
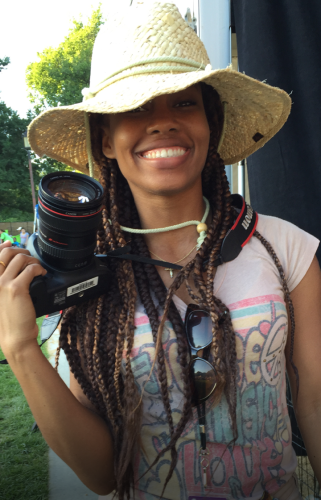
[(70, 207)]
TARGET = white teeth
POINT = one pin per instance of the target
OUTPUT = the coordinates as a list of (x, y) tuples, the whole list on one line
[(164, 153)]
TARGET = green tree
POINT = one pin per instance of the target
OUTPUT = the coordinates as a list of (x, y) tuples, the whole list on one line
[(3, 63), (57, 79), (15, 191), (62, 72), (15, 187)]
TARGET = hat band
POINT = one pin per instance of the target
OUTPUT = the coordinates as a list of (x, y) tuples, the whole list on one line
[(187, 65)]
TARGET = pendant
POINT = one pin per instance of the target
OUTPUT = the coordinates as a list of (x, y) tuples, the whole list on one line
[(204, 465), (171, 273)]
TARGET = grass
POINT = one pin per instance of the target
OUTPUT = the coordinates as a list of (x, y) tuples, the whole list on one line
[(24, 467)]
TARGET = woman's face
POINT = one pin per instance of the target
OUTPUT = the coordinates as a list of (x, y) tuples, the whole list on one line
[(160, 147)]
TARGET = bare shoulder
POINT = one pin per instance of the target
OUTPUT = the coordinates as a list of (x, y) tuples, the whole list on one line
[(306, 298)]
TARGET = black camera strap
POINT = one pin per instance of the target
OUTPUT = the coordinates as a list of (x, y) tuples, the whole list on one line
[(123, 253), (240, 233)]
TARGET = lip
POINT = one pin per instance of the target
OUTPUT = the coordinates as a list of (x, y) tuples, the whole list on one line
[(163, 144)]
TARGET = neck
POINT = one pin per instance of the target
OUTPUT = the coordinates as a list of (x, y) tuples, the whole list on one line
[(163, 211)]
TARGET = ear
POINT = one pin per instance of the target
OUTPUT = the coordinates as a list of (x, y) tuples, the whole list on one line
[(107, 144)]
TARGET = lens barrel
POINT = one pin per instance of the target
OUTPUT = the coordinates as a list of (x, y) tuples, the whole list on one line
[(70, 206)]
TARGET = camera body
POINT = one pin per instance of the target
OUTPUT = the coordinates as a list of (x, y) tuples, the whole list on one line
[(62, 289)]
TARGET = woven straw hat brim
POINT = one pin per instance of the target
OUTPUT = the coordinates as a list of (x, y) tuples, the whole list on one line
[(254, 113)]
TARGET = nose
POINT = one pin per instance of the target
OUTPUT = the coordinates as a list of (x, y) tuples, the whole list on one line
[(162, 118)]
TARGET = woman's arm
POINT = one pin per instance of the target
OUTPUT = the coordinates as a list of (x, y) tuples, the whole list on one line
[(306, 298), (79, 436)]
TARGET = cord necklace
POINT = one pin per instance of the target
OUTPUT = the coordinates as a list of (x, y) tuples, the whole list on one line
[(201, 227)]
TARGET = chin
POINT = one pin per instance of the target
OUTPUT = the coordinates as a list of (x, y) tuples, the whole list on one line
[(167, 190), (170, 187)]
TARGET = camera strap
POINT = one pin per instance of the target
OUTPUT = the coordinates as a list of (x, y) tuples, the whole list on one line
[(240, 233), (123, 253), (236, 238)]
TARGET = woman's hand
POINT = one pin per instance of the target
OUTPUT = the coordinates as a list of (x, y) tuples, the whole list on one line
[(18, 328)]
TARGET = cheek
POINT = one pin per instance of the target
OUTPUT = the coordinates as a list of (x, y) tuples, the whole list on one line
[(201, 127), (123, 142), (125, 138), (202, 131)]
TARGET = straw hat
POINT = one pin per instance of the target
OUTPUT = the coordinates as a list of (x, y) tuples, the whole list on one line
[(147, 52)]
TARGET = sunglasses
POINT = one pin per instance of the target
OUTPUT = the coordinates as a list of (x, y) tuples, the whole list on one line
[(198, 327)]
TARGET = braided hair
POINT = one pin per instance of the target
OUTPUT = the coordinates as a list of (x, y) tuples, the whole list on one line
[(95, 335)]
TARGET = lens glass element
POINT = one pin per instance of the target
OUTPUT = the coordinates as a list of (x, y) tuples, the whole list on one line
[(203, 380), (199, 328), (71, 190)]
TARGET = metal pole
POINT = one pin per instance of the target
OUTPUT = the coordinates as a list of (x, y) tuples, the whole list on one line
[(215, 32), (31, 181), (241, 178), (214, 26)]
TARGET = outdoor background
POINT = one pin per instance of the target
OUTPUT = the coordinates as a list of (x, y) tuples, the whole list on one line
[(45, 54)]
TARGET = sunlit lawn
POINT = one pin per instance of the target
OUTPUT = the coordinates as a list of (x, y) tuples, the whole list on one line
[(23, 454)]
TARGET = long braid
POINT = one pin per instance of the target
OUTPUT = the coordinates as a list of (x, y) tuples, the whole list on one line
[(287, 297)]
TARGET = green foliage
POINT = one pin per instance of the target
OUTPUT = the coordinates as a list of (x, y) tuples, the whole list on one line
[(15, 188), (60, 75), (8, 214), (57, 79), (3, 63), (24, 467)]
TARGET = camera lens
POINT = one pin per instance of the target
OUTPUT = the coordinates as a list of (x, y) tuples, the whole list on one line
[(70, 207), (71, 190)]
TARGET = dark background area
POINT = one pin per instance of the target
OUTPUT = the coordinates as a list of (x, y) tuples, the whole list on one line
[(279, 41)]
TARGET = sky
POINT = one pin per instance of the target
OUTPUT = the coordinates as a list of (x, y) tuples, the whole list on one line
[(29, 27)]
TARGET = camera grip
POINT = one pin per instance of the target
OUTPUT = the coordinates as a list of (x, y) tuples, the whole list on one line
[(38, 292)]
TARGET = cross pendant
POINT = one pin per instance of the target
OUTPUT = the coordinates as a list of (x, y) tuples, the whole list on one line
[(170, 271)]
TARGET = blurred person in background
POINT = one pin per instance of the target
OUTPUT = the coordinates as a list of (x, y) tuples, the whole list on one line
[(23, 237), (5, 236)]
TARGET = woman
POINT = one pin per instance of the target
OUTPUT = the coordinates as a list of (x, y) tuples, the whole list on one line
[(156, 116)]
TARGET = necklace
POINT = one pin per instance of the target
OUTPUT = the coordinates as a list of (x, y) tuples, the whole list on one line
[(201, 227), (171, 271)]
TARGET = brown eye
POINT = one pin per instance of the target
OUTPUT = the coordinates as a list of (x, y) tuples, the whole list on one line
[(143, 107), (185, 104), (137, 110)]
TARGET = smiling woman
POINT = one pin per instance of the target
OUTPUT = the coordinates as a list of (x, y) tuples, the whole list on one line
[(177, 376)]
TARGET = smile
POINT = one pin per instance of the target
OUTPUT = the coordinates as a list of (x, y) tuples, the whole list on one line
[(164, 153)]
